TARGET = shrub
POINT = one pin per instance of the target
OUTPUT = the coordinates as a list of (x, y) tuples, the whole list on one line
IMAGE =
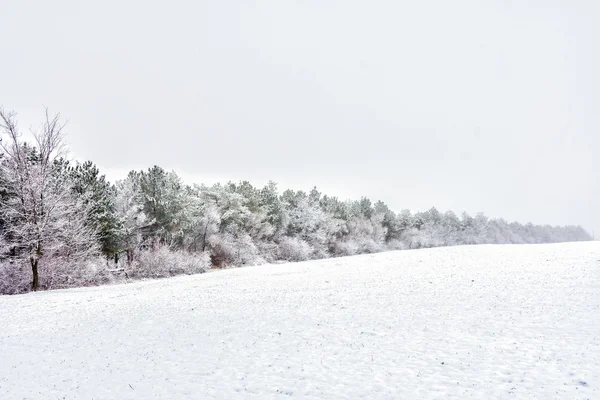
[(161, 262), (293, 249), (15, 277), (233, 250)]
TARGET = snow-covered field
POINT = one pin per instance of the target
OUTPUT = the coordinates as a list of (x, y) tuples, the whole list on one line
[(485, 322)]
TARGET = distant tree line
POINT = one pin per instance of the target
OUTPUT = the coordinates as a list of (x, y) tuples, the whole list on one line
[(62, 224)]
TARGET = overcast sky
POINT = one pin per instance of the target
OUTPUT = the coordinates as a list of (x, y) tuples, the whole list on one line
[(489, 106)]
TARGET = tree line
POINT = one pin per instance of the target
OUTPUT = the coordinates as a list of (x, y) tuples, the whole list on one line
[(63, 224)]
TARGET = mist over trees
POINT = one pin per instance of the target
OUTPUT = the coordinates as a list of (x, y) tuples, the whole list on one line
[(62, 224)]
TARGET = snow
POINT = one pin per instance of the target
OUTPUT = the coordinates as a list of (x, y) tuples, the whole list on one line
[(485, 322)]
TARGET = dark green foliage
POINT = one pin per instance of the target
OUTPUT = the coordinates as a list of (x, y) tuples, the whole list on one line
[(93, 187)]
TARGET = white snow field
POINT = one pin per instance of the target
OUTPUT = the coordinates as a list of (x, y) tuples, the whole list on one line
[(478, 322)]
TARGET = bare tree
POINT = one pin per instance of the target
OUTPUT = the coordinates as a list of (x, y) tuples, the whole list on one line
[(45, 219)]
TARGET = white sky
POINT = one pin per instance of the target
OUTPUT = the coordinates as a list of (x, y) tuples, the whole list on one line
[(486, 106)]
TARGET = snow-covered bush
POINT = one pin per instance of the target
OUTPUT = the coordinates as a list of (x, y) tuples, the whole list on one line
[(396, 245), (364, 236), (161, 262), (60, 274), (345, 248), (294, 249), (15, 277), (269, 251), (228, 250)]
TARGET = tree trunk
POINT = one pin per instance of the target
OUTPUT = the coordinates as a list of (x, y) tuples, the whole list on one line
[(129, 254), (34, 269), (204, 237)]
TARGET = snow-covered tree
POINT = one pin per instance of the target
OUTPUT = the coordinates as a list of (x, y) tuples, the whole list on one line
[(95, 190), (306, 221), (237, 230), (163, 196), (45, 219), (276, 214), (130, 216)]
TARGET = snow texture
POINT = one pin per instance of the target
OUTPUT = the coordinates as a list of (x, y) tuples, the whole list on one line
[(484, 322)]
